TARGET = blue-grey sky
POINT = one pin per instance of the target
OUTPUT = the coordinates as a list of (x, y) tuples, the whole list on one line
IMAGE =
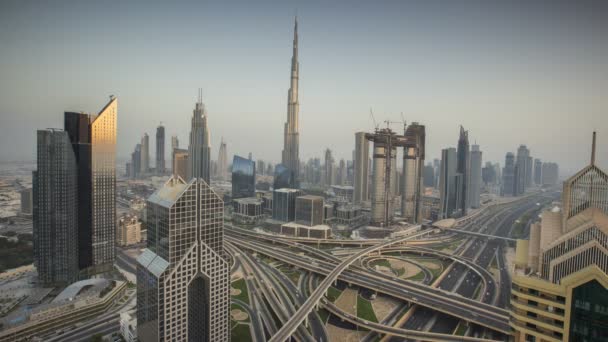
[(511, 72)]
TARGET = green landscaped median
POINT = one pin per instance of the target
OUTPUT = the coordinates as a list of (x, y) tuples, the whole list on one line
[(333, 294), (241, 332), (365, 310), (242, 287)]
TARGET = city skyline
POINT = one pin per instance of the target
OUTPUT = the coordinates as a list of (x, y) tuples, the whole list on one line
[(509, 87)]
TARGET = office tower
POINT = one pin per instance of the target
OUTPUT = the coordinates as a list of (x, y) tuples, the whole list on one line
[(174, 142), (180, 163), (436, 168), (222, 162), (538, 171), (136, 162), (428, 176), (269, 169), (350, 172), (261, 167), (55, 212), (550, 174), (328, 168), (475, 179), (529, 171), (93, 139), (488, 174), (565, 280), (284, 204), (309, 210), (282, 177), (291, 138), (413, 163), (463, 168), (447, 182), (145, 154), (183, 276), (508, 176), (160, 150), (243, 177), (361, 167), (27, 201), (199, 150), (341, 174), (522, 167)]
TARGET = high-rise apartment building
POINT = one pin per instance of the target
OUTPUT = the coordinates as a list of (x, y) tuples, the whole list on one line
[(243, 177), (475, 179), (93, 139), (291, 136), (361, 167), (145, 154), (55, 211), (447, 183), (509, 174), (342, 173), (183, 276), (463, 168), (160, 150), (199, 150)]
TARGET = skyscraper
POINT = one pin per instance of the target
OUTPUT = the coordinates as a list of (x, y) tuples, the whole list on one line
[(199, 150), (538, 171), (183, 276), (243, 177), (328, 168), (341, 175), (55, 209), (550, 174), (508, 176), (447, 182), (523, 166), (160, 150), (361, 167), (180, 163), (136, 161), (93, 139), (463, 168), (475, 179), (222, 162), (145, 153), (291, 138), (174, 142)]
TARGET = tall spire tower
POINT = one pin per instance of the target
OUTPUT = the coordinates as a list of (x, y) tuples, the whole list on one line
[(199, 151), (291, 142)]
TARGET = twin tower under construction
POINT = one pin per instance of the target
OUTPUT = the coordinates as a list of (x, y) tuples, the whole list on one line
[(385, 183)]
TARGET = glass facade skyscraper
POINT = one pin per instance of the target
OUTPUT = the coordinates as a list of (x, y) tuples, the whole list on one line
[(282, 177), (183, 276), (55, 212), (243, 177)]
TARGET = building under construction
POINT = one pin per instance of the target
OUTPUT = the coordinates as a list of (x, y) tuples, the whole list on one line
[(386, 142)]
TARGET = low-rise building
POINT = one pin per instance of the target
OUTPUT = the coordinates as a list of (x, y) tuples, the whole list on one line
[(248, 210), (300, 230), (128, 326)]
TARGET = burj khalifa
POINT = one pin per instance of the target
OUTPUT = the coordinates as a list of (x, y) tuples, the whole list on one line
[(291, 144)]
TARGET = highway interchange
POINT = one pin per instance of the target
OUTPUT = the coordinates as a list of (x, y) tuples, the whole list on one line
[(281, 307)]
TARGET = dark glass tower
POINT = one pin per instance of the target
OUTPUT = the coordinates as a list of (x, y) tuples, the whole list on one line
[(243, 177), (160, 150), (283, 177), (55, 209), (463, 168)]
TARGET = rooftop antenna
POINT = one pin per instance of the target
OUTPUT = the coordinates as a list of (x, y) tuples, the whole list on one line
[(593, 149)]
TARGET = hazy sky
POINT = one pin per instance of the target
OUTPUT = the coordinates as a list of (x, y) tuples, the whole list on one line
[(511, 72)]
